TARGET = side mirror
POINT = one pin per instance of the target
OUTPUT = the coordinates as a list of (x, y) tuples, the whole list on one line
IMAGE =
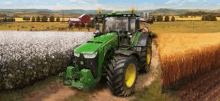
[(97, 26)]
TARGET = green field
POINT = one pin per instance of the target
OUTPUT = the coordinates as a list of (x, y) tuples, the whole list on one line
[(38, 26), (185, 27)]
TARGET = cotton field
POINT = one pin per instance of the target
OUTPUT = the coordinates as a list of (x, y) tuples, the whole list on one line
[(27, 56)]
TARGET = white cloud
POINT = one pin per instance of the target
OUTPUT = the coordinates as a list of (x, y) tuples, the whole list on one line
[(172, 1), (83, 1), (73, 0), (79, 1), (180, 2), (192, 0), (8, 2), (204, 0), (178, 5)]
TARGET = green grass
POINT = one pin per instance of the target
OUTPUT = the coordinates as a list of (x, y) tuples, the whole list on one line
[(21, 94), (153, 92), (185, 27)]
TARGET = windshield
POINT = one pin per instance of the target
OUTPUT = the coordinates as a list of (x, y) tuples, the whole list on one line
[(116, 24)]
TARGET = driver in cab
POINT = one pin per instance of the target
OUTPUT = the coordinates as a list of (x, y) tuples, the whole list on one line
[(122, 25)]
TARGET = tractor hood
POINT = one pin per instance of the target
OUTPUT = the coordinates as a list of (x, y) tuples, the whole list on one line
[(94, 44)]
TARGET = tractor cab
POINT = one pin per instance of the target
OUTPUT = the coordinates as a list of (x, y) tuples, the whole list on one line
[(125, 24)]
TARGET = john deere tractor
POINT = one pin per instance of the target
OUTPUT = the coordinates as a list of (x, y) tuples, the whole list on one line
[(118, 52)]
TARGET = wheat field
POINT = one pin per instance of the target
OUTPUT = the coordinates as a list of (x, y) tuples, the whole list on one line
[(185, 55)]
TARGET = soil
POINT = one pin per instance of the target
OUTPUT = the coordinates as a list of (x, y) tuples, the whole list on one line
[(205, 87), (59, 92), (56, 92)]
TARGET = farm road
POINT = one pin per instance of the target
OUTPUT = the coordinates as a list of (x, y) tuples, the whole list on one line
[(59, 92)]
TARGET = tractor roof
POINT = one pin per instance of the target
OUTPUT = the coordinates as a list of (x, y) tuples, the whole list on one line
[(118, 14)]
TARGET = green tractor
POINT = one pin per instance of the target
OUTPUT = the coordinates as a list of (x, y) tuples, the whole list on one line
[(117, 52)]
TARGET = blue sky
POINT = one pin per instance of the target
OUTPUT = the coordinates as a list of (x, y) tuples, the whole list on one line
[(109, 4)]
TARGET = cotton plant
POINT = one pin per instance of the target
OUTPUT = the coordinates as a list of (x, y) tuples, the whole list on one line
[(29, 44), (18, 45)]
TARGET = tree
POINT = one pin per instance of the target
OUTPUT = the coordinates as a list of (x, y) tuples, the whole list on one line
[(33, 19), (44, 19), (160, 18), (173, 18), (153, 18), (38, 19), (203, 18), (76, 24), (213, 18), (209, 17), (167, 18), (70, 25), (5, 19), (51, 19), (82, 25), (88, 25), (58, 19), (13, 19), (26, 18)]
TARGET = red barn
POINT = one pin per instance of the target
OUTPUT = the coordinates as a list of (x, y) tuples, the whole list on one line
[(81, 19)]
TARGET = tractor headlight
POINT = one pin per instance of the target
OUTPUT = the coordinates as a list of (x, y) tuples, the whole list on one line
[(90, 55), (76, 54)]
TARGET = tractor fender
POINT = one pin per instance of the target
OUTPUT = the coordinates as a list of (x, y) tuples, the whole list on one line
[(128, 53), (142, 40)]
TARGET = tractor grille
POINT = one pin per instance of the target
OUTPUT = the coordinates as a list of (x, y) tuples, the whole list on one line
[(91, 64)]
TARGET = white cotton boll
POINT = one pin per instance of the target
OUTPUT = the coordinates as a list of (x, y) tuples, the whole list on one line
[(29, 44)]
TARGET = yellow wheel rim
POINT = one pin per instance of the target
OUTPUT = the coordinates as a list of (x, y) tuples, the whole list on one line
[(148, 56), (130, 75)]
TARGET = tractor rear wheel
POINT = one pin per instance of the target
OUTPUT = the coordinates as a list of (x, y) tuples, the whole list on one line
[(122, 75), (146, 56)]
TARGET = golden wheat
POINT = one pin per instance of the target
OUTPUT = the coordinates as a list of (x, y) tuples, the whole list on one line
[(185, 55)]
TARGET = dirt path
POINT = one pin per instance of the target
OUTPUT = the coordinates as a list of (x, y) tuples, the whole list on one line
[(59, 92)]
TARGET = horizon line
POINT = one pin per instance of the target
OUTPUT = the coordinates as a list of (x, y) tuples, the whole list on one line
[(110, 10)]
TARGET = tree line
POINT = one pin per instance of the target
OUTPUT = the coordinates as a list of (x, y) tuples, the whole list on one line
[(5, 19), (160, 18), (199, 13), (207, 17), (41, 19)]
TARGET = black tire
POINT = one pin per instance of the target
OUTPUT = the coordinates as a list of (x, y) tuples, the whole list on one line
[(144, 66), (116, 75)]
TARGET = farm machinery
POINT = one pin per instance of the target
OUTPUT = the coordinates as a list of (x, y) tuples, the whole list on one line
[(118, 51)]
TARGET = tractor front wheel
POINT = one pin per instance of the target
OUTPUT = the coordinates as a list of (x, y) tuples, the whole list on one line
[(122, 75)]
